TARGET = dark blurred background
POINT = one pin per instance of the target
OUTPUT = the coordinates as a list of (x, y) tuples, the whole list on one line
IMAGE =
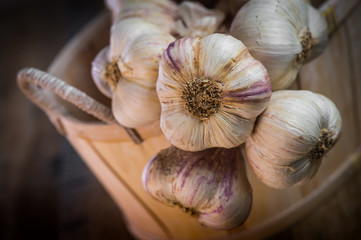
[(46, 191)]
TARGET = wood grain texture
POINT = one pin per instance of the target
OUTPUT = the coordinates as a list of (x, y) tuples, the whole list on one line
[(353, 30)]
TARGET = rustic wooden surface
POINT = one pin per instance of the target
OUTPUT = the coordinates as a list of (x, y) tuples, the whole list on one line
[(46, 189)]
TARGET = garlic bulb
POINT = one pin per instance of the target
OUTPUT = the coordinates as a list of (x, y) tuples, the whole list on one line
[(211, 90), (127, 70), (291, 137), (196, 20), (282, 34), (159, 12), (136, 47), (211, 185)]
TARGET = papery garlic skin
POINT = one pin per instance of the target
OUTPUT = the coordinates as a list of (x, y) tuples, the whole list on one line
[(211, 185), (134, 105), (161, 13), (211, 90), (291, 137), (99, 67), (282, 34), (135, 48), (196, 20)]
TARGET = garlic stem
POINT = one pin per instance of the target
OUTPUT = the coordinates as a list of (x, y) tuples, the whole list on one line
[(112, 74), (323, 144), (202, 98), (306, 44)]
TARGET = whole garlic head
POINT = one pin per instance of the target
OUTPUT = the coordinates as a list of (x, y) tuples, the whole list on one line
[(291, 137), (136, 47), (127, 70), (211, 185), (211, 91), (282, 34)]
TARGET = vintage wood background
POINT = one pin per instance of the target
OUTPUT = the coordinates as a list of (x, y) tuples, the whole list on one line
[(46, 191)]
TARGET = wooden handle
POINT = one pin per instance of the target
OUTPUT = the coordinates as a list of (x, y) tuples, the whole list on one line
[(41, 88)]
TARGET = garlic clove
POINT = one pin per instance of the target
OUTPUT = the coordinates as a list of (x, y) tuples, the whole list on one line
[(283, 35), (196, 20), (99, 74), (134, 105), (211, 185), (211, 90), (136, 46), (291, 137)]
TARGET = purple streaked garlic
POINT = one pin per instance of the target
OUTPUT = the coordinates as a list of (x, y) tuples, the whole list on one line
[(291, 137), (196, 20), (161, 13), (211, 185), (211, 90)]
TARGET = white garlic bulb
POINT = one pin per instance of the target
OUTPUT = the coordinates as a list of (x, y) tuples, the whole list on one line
[(282, 34), (211, 185), (159, 12), (211, 91), (136, 46), (196, 20), (291, 136), (127, 70)]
